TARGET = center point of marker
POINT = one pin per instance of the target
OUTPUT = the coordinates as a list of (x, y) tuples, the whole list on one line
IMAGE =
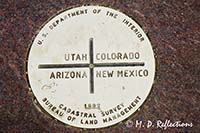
[(91, 66)]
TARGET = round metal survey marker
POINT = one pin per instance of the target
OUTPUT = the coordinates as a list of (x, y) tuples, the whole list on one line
[(91, 67)]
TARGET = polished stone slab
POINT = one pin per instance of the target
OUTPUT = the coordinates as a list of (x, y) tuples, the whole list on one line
[(173, 28)]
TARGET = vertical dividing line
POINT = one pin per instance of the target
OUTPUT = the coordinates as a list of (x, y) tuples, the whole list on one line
[(91, 51), (91, 65), (92, 80)]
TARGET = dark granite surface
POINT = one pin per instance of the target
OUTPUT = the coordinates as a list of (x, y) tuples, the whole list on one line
[(173, 27)]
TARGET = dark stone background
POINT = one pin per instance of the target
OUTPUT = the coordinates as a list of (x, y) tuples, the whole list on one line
[(173, 27)]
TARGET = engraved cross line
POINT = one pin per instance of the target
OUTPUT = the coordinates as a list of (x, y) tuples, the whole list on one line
[(91, 65)]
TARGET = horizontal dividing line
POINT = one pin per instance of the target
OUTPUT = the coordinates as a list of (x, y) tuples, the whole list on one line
[(54, 66), (119, 64)]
